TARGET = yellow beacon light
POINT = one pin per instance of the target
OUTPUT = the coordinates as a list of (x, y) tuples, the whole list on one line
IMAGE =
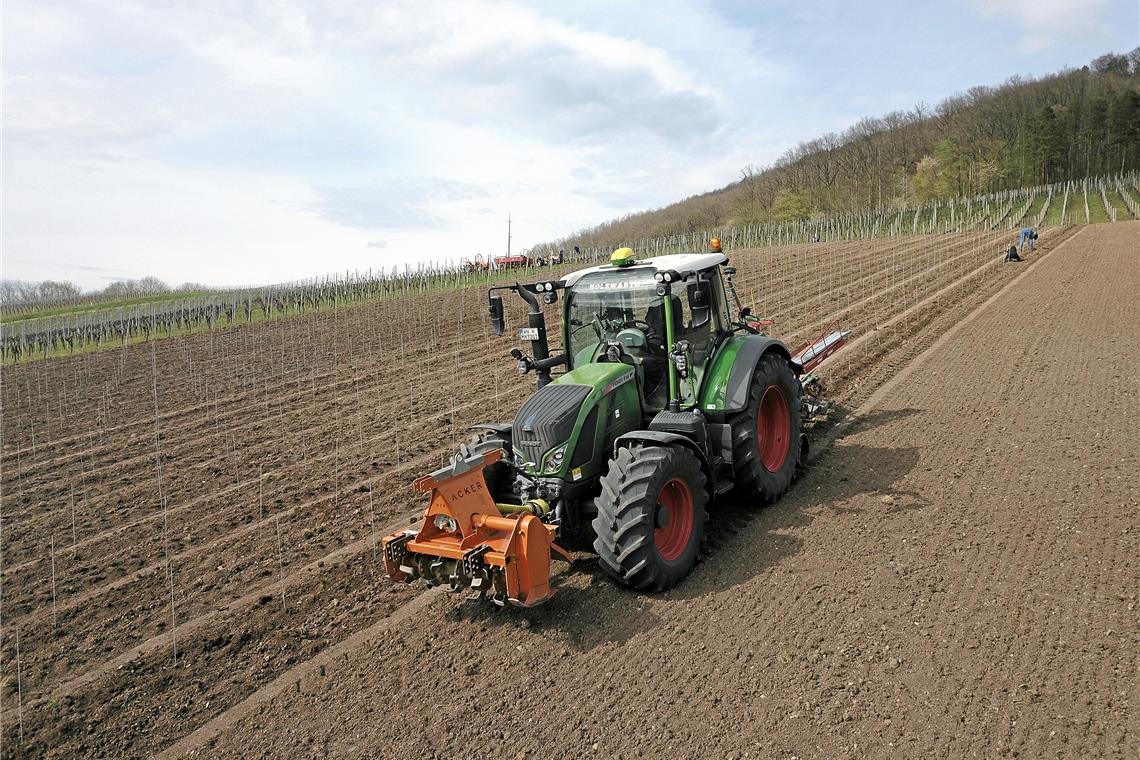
[(622, 257)]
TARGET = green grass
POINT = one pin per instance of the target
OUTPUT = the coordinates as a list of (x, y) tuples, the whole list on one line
[(222, 323), (925, 219), (1034, 210), (90, 307), (497, 277), (1097, 214), (111, 309), (90, 348), (1053, 216), (1122, 212)]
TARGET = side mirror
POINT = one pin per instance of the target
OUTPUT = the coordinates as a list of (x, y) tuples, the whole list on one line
[(495, 308), (699, 304)]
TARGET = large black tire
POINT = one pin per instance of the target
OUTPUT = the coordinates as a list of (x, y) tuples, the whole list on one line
[(498, 475), (651, 516), (766, 435)]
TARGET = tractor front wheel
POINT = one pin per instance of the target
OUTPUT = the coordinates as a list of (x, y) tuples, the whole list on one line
[(766, 435), (651, 516)]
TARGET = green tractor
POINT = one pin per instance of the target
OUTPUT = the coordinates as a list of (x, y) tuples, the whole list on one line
[(671, 399)]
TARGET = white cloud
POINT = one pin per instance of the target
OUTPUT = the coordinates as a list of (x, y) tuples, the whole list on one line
[(270, 139), (141, 217), (266, 141), (1048, 23)]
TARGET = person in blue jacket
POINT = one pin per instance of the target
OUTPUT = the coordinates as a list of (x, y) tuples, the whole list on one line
[(1028, 235)]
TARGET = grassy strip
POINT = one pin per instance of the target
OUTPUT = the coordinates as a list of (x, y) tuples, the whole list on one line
[(498, 277), (92, 307), (1053, 217), (1034, 210), (1097, 214), (1122, 212)]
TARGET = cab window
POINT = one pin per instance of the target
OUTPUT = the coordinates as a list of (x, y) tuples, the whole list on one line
[(720, 301)]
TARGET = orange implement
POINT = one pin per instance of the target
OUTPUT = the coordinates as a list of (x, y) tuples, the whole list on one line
[(466, 542)]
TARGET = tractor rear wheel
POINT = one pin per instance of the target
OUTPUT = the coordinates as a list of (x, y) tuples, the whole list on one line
[(651, 516), (498, 474), (766, 435)]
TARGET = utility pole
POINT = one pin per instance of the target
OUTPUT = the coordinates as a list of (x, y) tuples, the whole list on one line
[(508, 234)]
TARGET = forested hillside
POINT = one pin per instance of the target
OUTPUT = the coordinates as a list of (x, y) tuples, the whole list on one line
[(1070, 125)]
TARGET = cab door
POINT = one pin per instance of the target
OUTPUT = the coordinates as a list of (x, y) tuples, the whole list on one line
[(703, 317)]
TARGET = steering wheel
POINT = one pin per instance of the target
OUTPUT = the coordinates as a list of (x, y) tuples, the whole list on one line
[(651, 337), (603, 326)]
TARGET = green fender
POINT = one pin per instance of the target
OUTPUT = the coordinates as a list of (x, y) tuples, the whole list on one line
[(726, 382)]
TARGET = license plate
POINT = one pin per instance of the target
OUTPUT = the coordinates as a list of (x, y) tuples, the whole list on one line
[(528, 333)]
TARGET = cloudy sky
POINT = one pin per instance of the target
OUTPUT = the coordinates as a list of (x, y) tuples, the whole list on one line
[(253, 142)]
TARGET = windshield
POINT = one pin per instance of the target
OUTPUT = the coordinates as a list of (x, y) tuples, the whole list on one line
[(614, 305)]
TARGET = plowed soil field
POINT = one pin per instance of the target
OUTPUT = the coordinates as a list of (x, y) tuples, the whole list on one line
[(189, 528)]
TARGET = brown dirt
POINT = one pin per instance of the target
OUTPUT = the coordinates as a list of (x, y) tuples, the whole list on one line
[(321, 398), (957, 576)]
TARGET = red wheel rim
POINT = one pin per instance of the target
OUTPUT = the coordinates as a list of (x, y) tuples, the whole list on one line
[(773, 429), (673, 521)]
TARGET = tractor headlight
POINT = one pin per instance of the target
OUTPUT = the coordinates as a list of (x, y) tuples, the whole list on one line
[(554, 460), (659, 277), (446, 524)]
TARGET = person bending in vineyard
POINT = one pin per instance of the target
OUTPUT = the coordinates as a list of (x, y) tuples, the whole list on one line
[(1028, 235), (1011, 254)]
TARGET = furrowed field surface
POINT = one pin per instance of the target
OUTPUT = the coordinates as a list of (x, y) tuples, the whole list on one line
[(955, 577), (247, 474)]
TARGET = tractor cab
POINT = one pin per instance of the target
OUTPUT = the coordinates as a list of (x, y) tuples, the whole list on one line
[(649, 314)]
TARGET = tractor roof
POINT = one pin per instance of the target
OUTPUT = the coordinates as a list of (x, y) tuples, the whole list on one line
[(683, 263)]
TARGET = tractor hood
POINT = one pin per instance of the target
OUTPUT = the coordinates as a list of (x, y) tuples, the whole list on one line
[(555, 432)]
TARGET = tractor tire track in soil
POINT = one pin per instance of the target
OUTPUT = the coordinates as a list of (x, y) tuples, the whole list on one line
[(912, 596), (788, 263), (166, 703), (155, 613), (35, 568), (118, 569), (239, 404)]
